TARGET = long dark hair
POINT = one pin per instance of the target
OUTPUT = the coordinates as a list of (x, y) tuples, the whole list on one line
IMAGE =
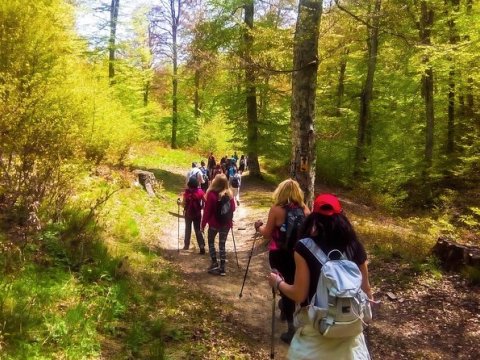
[(333, 230)]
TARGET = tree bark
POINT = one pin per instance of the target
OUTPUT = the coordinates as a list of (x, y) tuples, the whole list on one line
[(426, 21), (115, 5), (251, 97), (341, 81), (367, 91), (196, 99), (453, 39), (304, 85), (175, 14)]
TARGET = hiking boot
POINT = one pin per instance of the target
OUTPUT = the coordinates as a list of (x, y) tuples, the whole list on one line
[(202, 251), (287, 337), (216, 271), (222, 271), (213, 268), (185, 247)]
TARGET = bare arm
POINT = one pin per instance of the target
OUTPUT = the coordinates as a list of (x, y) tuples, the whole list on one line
[(298, 291), (365, 282), (267, 229)]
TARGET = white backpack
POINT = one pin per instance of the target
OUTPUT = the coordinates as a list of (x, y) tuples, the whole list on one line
[(339, 307)]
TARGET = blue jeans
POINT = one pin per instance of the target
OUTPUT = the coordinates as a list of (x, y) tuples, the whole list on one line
[(212, 232)]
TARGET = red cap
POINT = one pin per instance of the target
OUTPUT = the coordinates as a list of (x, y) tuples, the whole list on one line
[(327, 204)]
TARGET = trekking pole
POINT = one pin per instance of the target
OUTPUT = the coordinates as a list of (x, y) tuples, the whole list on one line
[(235, 248), (248, 265), (178, 226), (272, 340)]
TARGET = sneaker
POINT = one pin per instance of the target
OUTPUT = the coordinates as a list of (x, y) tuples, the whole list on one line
[(213, 267), (287, 337), (202, 251), (216, 271), (222, 271)]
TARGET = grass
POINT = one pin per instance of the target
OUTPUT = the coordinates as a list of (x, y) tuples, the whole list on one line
[(98, 287)]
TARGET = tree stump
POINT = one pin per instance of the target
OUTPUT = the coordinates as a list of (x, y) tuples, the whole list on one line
[(453, 255), (147, 180)]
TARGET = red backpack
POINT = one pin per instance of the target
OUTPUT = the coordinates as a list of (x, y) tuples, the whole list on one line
[(193, 204)]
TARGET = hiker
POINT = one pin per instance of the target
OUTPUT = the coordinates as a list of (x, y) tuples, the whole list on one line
[(235, 182), (287, 195), (235, 156), (217, 171), (241, 168), (196, 173), (193, 200), (231, 169), (329, 229), (211, 163), (205, 177), (219, 198)]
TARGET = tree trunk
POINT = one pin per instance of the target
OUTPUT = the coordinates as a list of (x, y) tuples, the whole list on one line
[(367, 91), (341, 81), (453, 39), (115, 5), (426, 21), (175, 21), (251, 97), (196, 98), (304, 85)]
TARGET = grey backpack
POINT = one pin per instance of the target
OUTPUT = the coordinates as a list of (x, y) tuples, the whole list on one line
[(339, 307)]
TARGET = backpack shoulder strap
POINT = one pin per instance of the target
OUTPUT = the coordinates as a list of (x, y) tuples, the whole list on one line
[(315, 250)]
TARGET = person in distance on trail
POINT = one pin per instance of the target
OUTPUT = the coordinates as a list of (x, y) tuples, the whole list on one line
[(330, 229), (235, 181), (218, 214), (193, 200), (288, 194), (217, 171), (211, 163), (205, 176), (241, 168), (196, 173)]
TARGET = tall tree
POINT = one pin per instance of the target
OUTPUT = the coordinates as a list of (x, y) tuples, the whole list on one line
[(165, 21), (453, 39), (425, 30), (251, 96), (304, 85), (114, 7), (367, 90)]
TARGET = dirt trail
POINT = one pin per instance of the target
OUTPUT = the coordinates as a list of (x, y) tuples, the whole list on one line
[(254, 308)]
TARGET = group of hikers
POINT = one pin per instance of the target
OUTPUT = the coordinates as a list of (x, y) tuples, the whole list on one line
[(324, 320), (215, 189)]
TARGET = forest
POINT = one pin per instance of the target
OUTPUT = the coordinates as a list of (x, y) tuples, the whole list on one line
[(375, 100)]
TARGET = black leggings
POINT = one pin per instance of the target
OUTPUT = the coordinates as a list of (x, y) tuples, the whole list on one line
[(283, 261)]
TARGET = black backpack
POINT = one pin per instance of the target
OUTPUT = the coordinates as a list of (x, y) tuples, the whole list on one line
[(224, 212), (235, 182), (290, 229)]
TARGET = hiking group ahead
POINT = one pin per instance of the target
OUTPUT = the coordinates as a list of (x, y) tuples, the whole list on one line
[(317, 263), (215, 190)]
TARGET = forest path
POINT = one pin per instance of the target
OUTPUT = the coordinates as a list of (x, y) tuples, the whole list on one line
[(252, 312), (432, 318)]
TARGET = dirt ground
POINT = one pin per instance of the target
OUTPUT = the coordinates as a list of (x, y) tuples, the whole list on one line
[(429, 319)]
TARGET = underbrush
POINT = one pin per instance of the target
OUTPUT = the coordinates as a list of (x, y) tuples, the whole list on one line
[(94, 284)]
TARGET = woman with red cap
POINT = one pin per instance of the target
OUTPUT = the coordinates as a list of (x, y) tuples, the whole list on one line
[(287, 195), (329, 229)]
